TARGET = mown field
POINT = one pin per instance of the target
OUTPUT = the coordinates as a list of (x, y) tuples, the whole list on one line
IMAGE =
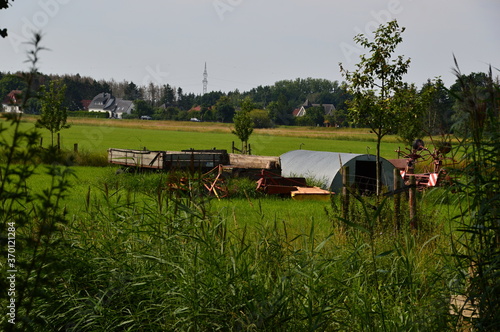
[(101, 251), (97, 135)]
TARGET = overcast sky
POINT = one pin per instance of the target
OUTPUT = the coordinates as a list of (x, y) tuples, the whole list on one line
[(245, 43)]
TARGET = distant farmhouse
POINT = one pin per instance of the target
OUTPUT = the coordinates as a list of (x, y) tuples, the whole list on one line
[(329, 108), (115, 107), (12, 102)]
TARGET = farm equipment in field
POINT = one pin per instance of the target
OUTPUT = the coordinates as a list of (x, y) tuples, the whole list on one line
[(211, 182), (296, 187), (434, 173), (192, 160), (275, 184), (195, 170)]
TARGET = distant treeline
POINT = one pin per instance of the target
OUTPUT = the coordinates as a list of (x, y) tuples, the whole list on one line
[(273, 105)]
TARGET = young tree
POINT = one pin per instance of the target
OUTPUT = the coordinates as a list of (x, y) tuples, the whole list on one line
[(53, 113), (374, 82), (243, 128)]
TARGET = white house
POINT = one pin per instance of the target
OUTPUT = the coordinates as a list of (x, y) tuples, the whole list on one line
[(115, 107)]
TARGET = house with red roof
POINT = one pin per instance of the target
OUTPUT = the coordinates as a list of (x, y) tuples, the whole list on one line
[(12, 102)]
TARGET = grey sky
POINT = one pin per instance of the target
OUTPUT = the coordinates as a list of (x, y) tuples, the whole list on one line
[(245, 43)]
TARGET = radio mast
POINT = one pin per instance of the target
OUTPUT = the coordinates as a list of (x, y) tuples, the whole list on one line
[(205, 79)]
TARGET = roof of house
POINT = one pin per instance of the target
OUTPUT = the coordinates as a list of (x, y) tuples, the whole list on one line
[(329, 108), (102, 101), (86, 103), (307, 103), (13, 97), (122, 105)]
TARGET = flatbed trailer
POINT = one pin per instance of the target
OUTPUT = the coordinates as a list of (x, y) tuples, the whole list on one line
[(203, 160), (168, 160)]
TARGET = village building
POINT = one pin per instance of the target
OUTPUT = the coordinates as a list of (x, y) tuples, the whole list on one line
[(302, 110), (12, 102), (115, 107)]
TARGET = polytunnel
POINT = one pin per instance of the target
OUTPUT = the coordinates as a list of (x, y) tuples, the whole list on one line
[(325, 167)]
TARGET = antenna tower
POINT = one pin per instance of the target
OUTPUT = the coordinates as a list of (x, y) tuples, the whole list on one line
[(205, 79)]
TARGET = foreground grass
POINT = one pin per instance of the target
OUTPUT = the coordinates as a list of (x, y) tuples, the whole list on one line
[(133, 257)]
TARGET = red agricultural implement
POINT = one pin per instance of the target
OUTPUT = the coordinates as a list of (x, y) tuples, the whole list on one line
[(433, 173), (274, 184), (296, 187)]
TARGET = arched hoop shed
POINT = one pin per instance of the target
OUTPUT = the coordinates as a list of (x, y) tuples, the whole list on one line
[(325, 167)]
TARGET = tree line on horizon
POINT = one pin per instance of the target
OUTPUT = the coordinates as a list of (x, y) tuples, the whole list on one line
[(271, 104)]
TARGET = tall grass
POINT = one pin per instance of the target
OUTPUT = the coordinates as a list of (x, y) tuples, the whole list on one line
[(171, 263), (140, 257), (477, 249), (31, 221)]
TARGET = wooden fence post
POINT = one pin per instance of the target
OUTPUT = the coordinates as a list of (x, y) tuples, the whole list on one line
[(397, 199), (58, 141), (413, 202), (75, 148), (345, 192)]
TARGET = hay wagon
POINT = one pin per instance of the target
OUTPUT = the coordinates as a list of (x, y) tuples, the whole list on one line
[(168, 160)]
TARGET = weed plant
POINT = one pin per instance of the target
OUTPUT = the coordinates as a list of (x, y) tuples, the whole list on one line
[(31, 221), (476, 250)]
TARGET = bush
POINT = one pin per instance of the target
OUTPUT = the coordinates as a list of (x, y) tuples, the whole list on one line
[(261, 118), (87, 114)]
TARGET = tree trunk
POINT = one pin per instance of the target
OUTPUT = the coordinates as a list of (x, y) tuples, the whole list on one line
[(378, 168)]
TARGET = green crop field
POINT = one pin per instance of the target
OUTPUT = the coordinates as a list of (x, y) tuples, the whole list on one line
[(99, 135)]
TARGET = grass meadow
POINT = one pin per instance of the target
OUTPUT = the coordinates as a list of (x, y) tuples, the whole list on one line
[(98, 135), (98, 250)]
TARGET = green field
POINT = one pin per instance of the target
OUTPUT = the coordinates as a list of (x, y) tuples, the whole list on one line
[(103, 134)]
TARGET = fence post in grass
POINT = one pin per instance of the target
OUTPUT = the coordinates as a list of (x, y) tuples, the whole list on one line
[(397, 199), (413, 202), (345, 192), (58, 141), (75, 148), (41, 141)]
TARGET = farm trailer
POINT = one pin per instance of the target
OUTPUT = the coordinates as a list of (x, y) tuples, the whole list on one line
[(204, 160), (168, 160)]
